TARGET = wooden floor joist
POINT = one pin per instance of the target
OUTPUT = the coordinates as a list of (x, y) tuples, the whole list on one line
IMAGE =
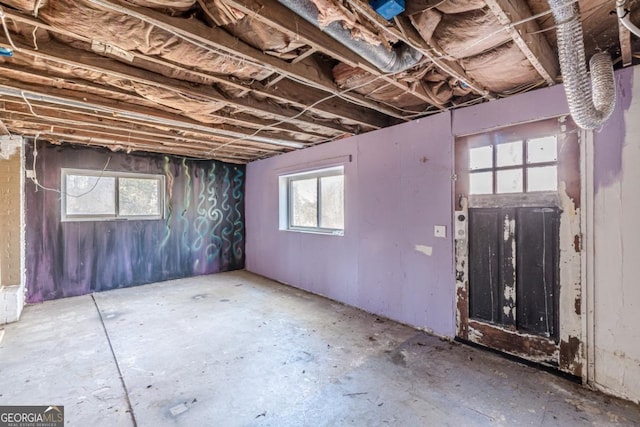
[(62, 54), (307, 73), (126, 138), (48, 114), (527, 36), (279, 17), (407, 33), (286, 92), (96, 118), (69, 97)]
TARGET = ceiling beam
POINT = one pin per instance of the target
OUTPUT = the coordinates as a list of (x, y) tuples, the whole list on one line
[(116, 145), (74, 119), (125, 138), (626, 50), (63, 54), (287, 92), (281, 18), (527, 36), (91, 102), (408, 33), (58, 112), (218, 40)]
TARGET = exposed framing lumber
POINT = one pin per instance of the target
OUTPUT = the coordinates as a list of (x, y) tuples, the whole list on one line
[(125, 138), (62, 54), (625, 44), (532, 43), (90, 102), (219, 40), (56, 112), (115, 145), (286, 92), (48, 114), (407, 33), (277, 16)]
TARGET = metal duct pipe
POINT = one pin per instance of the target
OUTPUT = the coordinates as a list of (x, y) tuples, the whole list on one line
[(591, 101), (388, 61)]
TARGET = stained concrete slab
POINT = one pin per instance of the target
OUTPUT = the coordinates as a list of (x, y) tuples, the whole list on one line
[(235, 349)]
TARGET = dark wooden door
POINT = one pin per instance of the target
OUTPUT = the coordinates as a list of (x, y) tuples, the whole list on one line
[(513, 268), (517, 251)]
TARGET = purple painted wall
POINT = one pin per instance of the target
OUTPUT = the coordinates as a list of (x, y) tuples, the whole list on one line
[(397, 187), (202, 232)]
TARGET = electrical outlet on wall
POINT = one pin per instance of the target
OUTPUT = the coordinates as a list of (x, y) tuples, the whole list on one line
[(30, 173), (440, 230)]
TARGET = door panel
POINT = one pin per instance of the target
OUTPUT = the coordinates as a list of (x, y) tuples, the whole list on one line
[(484, 266), (537, 260)]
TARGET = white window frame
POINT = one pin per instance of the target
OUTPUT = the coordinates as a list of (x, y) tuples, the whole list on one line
[(524, 166), (65, 217), (285, 185)]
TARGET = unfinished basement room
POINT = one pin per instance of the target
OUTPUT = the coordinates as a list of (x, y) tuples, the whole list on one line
[(319, 213)]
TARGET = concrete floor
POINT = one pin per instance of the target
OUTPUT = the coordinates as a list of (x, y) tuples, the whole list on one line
[(235, 349)]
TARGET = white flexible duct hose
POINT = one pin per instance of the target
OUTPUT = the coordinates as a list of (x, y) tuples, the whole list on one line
[(591, 101)]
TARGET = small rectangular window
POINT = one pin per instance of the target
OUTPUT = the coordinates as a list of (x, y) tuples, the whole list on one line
[(313, 201), (89, 195), (521, 166)]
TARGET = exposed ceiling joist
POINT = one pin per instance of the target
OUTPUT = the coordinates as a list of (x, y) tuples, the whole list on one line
[(125, 137), (277, 16), (63, 54), (120, 145), (91, 102), (239, 80), (76, 119), (515, 15), (626, 50), (407, 33), (287, 92), (218, 40)]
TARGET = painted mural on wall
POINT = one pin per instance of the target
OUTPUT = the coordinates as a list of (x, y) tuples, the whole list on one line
[(202, 231)]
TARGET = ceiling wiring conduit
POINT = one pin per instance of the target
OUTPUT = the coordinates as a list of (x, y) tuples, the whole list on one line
[(395, 60), (591, 100), (623, 16)]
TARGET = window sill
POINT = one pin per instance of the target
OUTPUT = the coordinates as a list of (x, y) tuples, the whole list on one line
[(339, 233)]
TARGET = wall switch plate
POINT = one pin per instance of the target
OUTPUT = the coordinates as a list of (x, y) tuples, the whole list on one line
[(440, 230)]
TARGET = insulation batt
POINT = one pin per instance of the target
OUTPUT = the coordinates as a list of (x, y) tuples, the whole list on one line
[(467, 34), (427, 82), (189, 106), (331, 11), (265, 38), (132, 34), (501, 69), (460, 6)]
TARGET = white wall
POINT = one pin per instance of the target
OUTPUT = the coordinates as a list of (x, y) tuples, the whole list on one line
[(616, 318)]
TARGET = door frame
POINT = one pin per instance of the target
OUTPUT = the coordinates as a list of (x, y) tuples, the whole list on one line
[(568, 353)]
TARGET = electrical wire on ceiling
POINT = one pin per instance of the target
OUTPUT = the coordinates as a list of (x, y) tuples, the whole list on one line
[(338, 94), (307, 108)]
